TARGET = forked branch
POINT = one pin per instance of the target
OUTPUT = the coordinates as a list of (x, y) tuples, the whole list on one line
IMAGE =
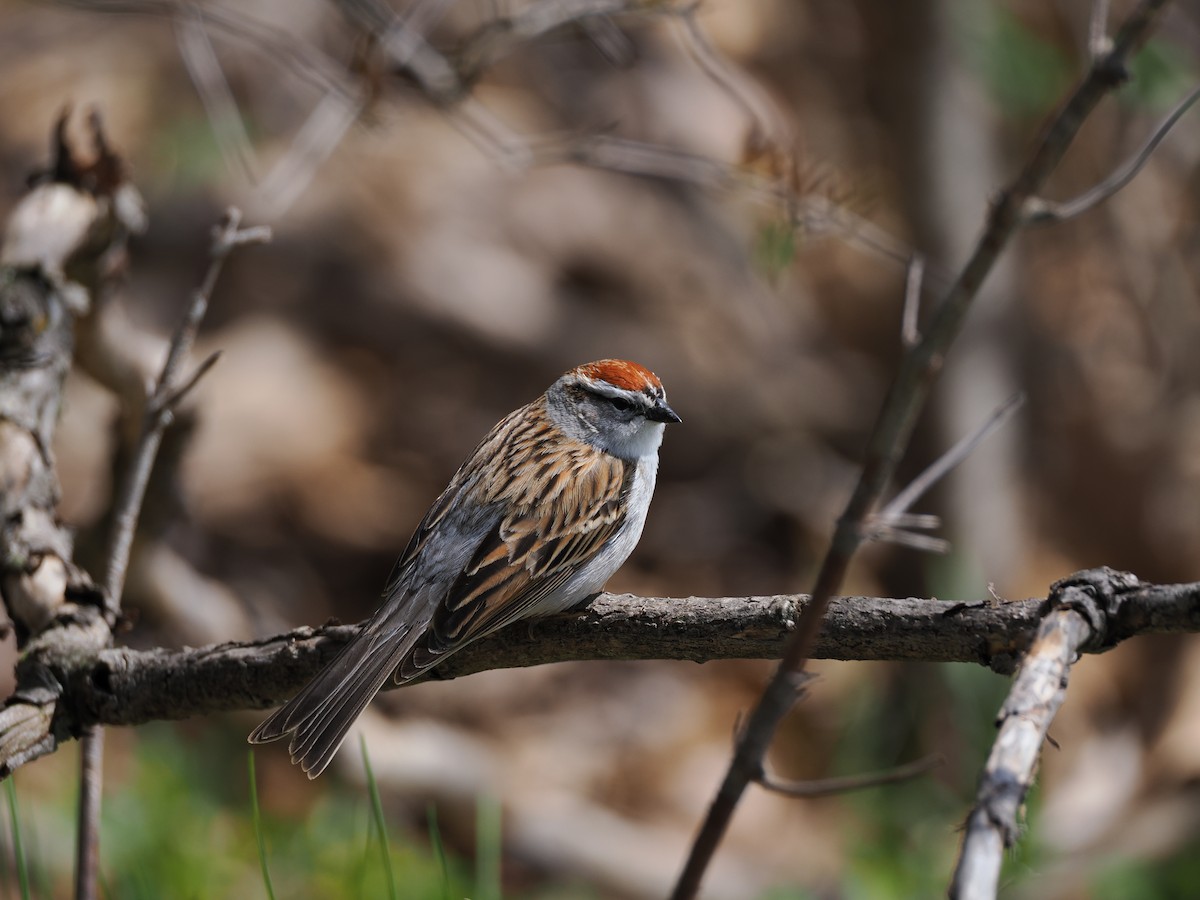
[(893, 428), (1080, 610), (169, 389)]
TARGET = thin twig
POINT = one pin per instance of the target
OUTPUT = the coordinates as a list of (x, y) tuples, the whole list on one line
[(169, 388), (1040, 211), (158, 407), (1098, 42), (611, 42), (500, 36), (484, 129), (408, 52), (312, 145), (446, 82), (200, 60), (302, 60), (950, 459), (914, 280), (766, 124), (828, 787), (893, 428), (892, 532), (177, 396), (87, 848)]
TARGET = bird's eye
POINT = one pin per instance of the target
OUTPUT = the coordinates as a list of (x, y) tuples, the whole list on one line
[(620, 403)]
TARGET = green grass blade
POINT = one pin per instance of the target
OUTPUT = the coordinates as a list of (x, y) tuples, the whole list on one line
[(487, 849), (256, 818), (380, 825), (6, 876), (439, 851), (18, 849)]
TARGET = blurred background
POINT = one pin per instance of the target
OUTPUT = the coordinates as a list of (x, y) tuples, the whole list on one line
[(449, 241)]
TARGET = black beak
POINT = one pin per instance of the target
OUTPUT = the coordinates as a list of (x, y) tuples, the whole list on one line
[(660, 412)]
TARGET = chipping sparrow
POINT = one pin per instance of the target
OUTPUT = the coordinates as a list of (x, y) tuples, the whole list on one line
[(534, 522)]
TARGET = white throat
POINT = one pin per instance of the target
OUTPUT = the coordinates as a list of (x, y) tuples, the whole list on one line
[(644, 442)]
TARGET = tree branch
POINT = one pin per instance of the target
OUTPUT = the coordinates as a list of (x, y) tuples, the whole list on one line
[(1040, 211), (159, 411), (894, 426), (1080, 610), (121, 686), (57, 254)]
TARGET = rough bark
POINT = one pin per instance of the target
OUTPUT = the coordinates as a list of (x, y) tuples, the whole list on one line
[(120, 686)]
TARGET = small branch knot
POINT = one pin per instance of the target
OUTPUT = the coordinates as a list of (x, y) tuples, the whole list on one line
[(1112, 71), (1001, 804), (1097, 595)]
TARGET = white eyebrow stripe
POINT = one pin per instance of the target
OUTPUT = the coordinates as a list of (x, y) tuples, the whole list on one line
[(604, 389)]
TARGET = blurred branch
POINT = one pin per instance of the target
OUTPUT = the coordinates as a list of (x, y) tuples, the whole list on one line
[(200, 59), (446, 80), (889, 522), (314, 143), (1039, 210), (169, 389), (1080, 613), (121, 686), (767, 125), (910, 334), (1098, 42), (342, 100), (301, 59), (64, 243), (828, 787), (501, 36), (919, 368)]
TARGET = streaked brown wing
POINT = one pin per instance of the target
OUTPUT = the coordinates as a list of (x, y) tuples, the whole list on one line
[(504, 433), (555, 527)]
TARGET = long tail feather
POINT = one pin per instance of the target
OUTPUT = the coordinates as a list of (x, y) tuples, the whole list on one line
[(319, 717)]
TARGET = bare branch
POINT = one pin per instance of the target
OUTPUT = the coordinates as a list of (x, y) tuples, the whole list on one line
[(176, 397), (314, 143), (501, 36), (446, 81), (77, 215), (1039, 211), (1080, 610), (767, 127), (407, 51), (226, 237), (891, 532), (159, 409), (122, 686), (949, 460), (224, 118), (828, 787), (897, 418), (87, 838), (302, 60), (608, 38), (1098, 42), (914, 280)]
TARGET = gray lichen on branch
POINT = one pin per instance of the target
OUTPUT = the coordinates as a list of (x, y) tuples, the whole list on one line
[(62, 239)]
